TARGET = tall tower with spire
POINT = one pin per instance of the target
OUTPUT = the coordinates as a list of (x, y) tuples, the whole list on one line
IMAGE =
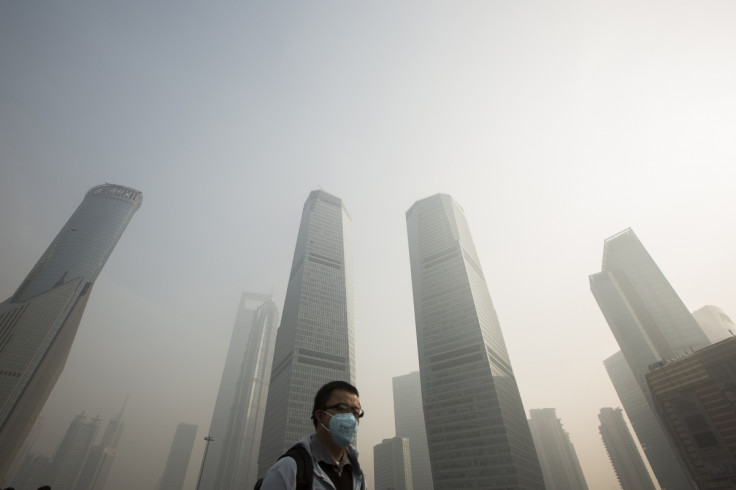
[(39, 322), (101, 456), (72, 452)]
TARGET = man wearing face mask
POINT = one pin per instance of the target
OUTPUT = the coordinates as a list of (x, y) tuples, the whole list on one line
[(334, 461)]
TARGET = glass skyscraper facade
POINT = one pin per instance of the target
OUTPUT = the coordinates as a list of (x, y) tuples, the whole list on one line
[(647, 317), (476, 425), (237, 421), (315, 340), (392, 465), (39, 322), (650, 323), (409, 420), (560, 464), (72, 452), (179, 455)]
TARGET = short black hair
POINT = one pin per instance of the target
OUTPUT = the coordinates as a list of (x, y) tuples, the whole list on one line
[(320, 399)]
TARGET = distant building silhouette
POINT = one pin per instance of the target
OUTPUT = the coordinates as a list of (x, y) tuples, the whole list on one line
[(39, 322), (33, 471), (315, 342), (696, 397), (650, 324), (409, 420), (644, 420), (181, 451), (237, 420), (101, 456), (624, 456), (560, 465), (14, 477), (476, 424), (69, 457), (715, 323), (392, 465)]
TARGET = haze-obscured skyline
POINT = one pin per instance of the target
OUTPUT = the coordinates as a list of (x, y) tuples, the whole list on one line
[(553, 126)]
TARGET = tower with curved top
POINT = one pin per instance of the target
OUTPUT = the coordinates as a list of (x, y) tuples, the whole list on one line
[(39, 322)]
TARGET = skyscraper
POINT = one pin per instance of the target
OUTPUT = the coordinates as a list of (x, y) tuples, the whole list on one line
[(647, 317), (476, 425), (392, 465), (315, 341), (179, 455), (647, 426), (696, 398), (650, 323), (715, 323), (101, 456), (409, 419), (237, 421), (624, 456), (39, 322), (24, 455), (71, 453), (560, 465)]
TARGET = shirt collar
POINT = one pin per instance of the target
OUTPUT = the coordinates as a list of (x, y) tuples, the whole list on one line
[(320, 453)]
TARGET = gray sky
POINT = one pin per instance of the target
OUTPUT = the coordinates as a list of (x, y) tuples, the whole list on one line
[(553, 124)]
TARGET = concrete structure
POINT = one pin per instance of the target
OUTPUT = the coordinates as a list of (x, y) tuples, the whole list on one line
[(315, 341), (476, 424), (392, 465), (715, 323), (409, 421), (181, 451), (560, 465), (39, 322), (237, 421), (696, 398), (650, 324), (69, 457), (624, 456)]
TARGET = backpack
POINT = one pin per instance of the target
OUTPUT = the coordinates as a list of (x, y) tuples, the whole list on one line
[(304, 468)]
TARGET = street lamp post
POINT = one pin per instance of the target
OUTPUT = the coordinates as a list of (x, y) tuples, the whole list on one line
[(207, 445)]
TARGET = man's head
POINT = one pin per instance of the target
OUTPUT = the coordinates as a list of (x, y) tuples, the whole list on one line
[(331, 398)]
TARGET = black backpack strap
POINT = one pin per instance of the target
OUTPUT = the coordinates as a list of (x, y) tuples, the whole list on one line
[(304, 466)]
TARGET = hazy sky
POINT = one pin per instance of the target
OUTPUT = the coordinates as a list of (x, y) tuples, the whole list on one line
[(553, 124)]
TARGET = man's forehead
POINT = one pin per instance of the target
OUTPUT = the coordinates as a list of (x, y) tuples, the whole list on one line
[(342, 395)]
